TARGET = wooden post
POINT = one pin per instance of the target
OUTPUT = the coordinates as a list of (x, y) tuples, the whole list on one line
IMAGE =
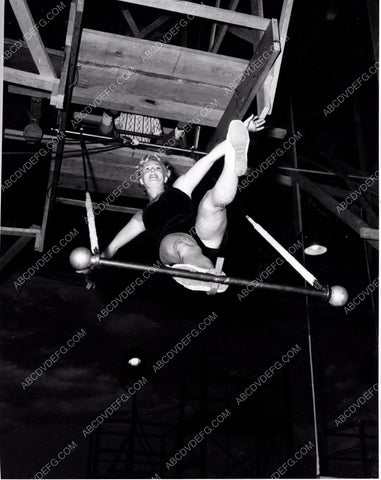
[(36, 47), (252, 80), (221, 34), (1, 103), (265, 99), (62, 121)]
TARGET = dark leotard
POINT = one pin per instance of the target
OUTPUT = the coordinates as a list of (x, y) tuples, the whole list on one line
[(173, 212)]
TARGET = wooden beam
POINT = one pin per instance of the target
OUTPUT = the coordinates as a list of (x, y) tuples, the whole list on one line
[(23, 60), (266, 96), (213, 30), (153, 26), (369, 233), (62, 123), (243, 33), (346, 216), (20, 232), (131, 22), (29, 92), (371, 215), (58, 99), (256, 9), (273, 76), (193, 9), (36, 47), (2, 8), (28, 79), (336, 192), (253, 78), (224, 28), (112, 208), (25, 234), (13, 251)]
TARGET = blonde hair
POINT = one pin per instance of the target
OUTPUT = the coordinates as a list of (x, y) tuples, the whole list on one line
[(155, 157)]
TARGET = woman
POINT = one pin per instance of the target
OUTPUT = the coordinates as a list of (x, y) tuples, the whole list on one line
[(187, 240)]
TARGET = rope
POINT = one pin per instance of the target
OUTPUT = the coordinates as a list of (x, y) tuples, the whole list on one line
[(314, 409), (89, 205), (286, 255)]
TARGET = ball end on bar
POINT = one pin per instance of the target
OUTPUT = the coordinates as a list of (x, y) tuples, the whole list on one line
[(338, 296), (80, 258)]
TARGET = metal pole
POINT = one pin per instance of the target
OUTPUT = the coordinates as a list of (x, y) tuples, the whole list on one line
[(323, 294), (103, 138)]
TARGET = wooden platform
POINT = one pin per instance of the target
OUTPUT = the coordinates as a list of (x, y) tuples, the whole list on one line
[(174, 83)]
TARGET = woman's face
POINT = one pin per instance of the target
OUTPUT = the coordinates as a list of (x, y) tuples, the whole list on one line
[(153, 174)]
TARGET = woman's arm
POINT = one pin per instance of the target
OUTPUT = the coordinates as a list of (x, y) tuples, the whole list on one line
[(133, 228)]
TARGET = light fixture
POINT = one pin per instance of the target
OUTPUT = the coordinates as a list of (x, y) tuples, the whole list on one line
[(315, 248), (134, 361), (133, 366)]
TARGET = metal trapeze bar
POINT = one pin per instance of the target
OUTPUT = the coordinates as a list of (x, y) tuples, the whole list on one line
[(82, 259), (323, 294)]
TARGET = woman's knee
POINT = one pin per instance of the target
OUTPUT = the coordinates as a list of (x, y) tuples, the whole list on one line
[(210, 205), (175, 246)]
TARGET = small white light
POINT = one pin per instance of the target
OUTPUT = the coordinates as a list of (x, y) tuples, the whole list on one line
[(315, 249), (134, 362)]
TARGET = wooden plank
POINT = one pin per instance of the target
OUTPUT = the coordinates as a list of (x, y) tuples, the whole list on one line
[(110, 50), (20, 232), (14, 250), (118, 51), (30, 92), (218, 14), (37, 49), (163, 98), (28, 79), (131, 22), (224, 28), (153, 26), (369, 233), (253, 78), (168, 72)]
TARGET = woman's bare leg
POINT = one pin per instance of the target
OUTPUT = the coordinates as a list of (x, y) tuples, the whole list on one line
[(182, 248), (211, 219)]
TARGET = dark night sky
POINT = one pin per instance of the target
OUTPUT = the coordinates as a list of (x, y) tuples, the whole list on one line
[(322, 58)]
